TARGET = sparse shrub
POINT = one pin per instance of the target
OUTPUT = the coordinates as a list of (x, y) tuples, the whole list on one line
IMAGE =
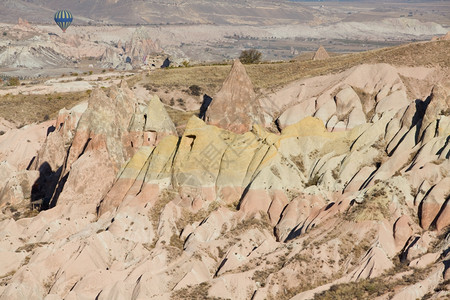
[(199, 291), (185, 63), (375, 206), (335, 174), (195, 90), (261, 276), (312, 181), (2, 132), (275, 171), (251, 56), (79, 79), (4, 33), (298, 161), (176, 242), (90, 72), (154, 214), (13, 81)]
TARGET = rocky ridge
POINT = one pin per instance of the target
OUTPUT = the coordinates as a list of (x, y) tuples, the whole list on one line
[(30, 47), (139, 212)]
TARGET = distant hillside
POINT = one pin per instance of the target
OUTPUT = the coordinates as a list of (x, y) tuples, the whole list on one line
[(254, 12)]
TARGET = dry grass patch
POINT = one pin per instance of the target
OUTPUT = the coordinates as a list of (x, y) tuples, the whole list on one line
[(26, 109), (371, 288), (176, 242), (18, 211), (155, 213), (313, 180), (262, 223), (199, 291), (188, 217), (180, 118), (209, 78), (274, 75), (30, 247), (6, 278), (298, 161), (375, 206)]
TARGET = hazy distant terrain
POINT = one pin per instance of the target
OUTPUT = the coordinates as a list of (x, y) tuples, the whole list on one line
[(237, 12), (163, 12), (206, 31)]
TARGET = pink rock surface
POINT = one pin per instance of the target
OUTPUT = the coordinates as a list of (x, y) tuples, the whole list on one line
[(235, 107), (433, 202), (19, 146), (137, 212)]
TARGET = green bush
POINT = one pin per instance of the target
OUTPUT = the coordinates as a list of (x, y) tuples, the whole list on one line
[(251, 56)]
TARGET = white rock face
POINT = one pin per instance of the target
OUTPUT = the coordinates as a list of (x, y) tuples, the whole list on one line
[(348, 99)]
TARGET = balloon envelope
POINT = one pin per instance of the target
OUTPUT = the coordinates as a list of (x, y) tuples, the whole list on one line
[(63, 18)]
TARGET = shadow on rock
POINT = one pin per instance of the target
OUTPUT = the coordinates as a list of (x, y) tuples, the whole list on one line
[(46, 189)]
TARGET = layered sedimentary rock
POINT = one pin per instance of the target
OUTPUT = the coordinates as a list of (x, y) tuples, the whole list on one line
[(239, 212), (29, 47), (351, 98)]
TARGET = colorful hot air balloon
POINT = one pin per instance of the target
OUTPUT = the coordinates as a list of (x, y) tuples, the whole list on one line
[(63, 18)]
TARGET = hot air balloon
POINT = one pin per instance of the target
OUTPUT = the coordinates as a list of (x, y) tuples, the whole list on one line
[(63, 18)]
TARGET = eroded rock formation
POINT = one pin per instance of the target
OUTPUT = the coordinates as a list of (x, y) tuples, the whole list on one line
[(320, 54), (235, 106), (235, 211)]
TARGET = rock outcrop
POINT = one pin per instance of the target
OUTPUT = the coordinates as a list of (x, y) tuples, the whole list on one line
[(348, 99), (233, 210), (29, 47), (92, 142), (320, 54), (445, 37), (140, 50), (140, 47), (235, 107)]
